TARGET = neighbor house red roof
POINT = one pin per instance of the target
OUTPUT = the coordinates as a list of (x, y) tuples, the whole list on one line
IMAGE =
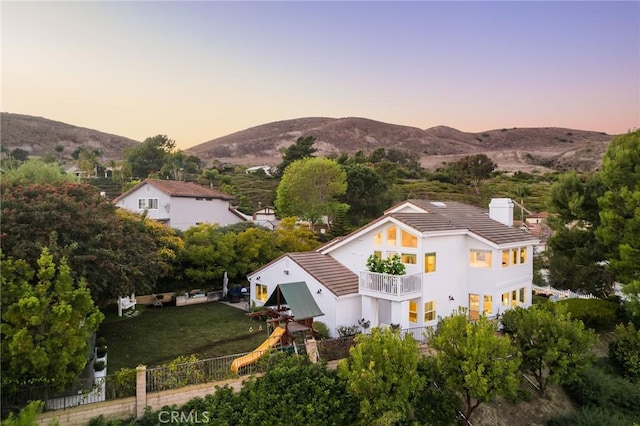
[(179, 189)]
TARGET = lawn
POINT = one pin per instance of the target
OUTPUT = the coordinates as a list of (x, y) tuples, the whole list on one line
[(159, 335)]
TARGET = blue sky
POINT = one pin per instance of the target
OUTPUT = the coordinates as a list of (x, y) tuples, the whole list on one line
[(200, 70)]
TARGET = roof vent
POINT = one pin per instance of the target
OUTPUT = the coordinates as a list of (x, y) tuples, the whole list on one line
[(438, 204)]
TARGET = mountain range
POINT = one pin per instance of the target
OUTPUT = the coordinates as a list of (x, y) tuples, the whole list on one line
[(524, 149)]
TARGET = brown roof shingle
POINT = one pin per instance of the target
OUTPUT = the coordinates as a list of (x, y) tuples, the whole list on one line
[(179, 189), (328, 271), (453, 215)]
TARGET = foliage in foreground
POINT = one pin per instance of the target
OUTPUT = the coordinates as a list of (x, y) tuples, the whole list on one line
[(474, 360), (554, 347), (624, 351), (381, 372), (47, 319)]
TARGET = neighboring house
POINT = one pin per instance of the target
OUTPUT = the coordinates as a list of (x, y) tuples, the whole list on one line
[(180, 204), (265, 217), (266, 169), (456, 255), (536, 225)]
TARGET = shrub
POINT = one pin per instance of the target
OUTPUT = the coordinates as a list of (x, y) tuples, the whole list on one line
[(595, 388), (594, 313), (322, 329), (101, 351), (348, 330), (624, 351), (591, 416), (99, 365)]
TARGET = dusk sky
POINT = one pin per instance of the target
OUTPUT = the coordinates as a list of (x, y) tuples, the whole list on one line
[(196, 71)]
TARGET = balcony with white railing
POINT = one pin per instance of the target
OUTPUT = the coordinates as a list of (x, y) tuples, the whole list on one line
[(391, 287)]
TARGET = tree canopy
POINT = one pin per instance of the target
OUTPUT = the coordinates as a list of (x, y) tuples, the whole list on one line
[(149, 156), (116, 253), (381, 372), (554, 347), (474, 360), (301, 148), (47, 319), (310, 188)]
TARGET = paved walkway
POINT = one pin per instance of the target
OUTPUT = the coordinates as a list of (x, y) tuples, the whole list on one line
[(242, 305)]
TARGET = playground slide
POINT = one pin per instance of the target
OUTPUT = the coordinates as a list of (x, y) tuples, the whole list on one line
[(252, 357)]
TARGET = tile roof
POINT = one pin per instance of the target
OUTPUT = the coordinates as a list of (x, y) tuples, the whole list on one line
[(453, 215), (328, 271), (179, 189)]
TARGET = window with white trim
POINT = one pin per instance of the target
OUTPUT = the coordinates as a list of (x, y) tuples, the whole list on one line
[(261, 292), (480, 258), (429, 262), (430, 311)]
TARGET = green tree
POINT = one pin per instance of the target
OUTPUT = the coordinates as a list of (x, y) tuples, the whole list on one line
[(294, 391), (36, 171), (291, 237), (366, 193), (113, 252), (619, 229), (381, 372), (310, 188), (474, 360), (473, 170), (554, 347), (149, 156), (624, 351), (300, 149), (47, 319)]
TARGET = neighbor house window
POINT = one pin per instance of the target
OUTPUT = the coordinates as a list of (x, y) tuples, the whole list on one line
[(429, 262), (429, 311), (409, 240), (487, 305), (152, 204), (480, 258), (409, 259), (505, 299), (261, 292), (521, 295), (523, 255), (377, 239), (514, 297), (505, 258), (413, 311), (142, 203), (391, 236)]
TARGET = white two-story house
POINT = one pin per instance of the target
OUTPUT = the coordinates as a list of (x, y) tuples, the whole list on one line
[(456, 255), (180, 204)]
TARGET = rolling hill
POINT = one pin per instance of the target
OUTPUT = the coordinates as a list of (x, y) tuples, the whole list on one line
[(513, 149)]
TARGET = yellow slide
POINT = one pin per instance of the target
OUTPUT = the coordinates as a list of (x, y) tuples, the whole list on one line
[(252, 357)]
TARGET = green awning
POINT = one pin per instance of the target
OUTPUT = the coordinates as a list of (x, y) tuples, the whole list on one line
[(297, 297)]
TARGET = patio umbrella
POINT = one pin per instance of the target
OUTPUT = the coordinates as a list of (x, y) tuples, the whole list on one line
[(225, 284)]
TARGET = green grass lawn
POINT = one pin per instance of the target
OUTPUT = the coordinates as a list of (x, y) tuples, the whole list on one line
[(159, 335)]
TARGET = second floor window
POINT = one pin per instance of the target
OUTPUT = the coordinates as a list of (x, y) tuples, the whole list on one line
[(480, 258), (429, 262), (148, 203)]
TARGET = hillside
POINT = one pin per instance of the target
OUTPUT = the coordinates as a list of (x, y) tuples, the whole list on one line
[(39, 136), (512, 149)]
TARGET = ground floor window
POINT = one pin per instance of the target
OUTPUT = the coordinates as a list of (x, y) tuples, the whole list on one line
[(261, 292), (429, 311), (514, 297), (413, 311), (487, 305)]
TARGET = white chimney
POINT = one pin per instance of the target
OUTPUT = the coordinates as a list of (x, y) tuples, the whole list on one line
[(501, 210)]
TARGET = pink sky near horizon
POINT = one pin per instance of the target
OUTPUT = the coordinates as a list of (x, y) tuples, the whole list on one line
[(196, 71)]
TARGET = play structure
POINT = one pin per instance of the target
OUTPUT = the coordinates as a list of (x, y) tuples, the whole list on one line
[(290, 311)]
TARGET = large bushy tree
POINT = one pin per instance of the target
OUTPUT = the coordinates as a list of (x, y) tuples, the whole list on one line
[(47, 319), (149, 156), (381, 372), (474, 360), (619, 228), (301, 148), (554, 347), (115, 253), (365, 194), (310, 189)]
